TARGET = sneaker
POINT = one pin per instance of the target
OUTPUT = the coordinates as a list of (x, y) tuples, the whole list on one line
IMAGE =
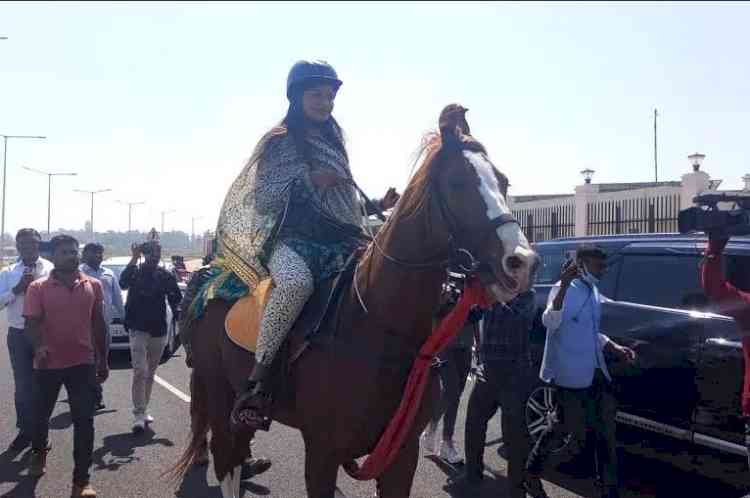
[(20, 443), (428, 441), (148, 419), (38, 464), (83, 491), (449, 454), (139, 425)]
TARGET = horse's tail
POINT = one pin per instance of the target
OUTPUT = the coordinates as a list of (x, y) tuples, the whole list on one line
[(198, 429)]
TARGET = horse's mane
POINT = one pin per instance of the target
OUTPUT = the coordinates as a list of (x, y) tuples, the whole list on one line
[(430, 149)]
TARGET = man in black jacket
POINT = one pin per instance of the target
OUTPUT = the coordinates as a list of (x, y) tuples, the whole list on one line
[(149, 286), (503, 381)]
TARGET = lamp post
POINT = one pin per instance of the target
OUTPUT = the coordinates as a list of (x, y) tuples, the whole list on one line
[(130, 211), (587, 175), (5, 164), (92, 193), (696, 160), (163, 213), (49, 189)]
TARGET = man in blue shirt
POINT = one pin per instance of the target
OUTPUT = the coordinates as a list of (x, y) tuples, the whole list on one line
[(574, 362), (92, 256)]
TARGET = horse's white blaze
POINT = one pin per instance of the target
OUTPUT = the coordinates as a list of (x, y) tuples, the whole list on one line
[(510, 234)]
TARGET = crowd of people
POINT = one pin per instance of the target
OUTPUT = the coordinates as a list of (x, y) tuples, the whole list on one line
[(59, 317), (60, 313)]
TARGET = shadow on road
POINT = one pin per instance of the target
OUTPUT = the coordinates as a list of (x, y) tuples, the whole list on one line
[(195, 485), (11, 468), (119, 449)]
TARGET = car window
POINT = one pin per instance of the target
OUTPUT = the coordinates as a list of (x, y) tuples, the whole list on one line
[(667, 280), (551, 260)]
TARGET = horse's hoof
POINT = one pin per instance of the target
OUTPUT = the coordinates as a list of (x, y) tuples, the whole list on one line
[(254, 467)]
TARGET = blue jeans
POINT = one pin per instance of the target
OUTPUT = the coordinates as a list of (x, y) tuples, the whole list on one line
[(22, 361)]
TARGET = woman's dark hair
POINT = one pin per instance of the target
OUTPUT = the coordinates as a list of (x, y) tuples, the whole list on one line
[(294, 124)]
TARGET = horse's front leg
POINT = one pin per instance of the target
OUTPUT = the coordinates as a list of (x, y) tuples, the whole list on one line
[(397, 480), (321, 469)]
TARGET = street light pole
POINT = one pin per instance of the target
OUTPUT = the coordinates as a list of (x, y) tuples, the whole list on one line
[(92, 192), (162, 218), (130, 211), (5, 168), (49, 190)]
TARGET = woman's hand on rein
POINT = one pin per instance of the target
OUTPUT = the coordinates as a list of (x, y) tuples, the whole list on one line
[(390, 199)]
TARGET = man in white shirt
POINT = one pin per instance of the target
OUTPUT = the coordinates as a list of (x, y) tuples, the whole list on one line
[(574, 363), (14, 280), (92, 257)]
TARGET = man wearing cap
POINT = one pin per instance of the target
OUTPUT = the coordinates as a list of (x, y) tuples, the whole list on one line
[(574, 363)]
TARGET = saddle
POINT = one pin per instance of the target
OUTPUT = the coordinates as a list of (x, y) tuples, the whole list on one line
[(242, 323)]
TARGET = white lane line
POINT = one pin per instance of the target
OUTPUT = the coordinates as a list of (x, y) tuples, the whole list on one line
[(169, 387)]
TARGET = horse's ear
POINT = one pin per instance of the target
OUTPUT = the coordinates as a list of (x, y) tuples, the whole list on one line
[(453, 125)]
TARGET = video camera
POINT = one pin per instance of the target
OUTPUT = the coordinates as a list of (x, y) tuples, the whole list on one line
[(708, 217)]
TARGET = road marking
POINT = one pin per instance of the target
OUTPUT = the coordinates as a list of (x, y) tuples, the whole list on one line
[(169, 387)]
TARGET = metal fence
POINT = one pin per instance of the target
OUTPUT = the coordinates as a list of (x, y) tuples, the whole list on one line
[(657, 214), (545, 223)]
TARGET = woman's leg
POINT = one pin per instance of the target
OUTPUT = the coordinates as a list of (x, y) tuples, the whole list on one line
[(294, 285)]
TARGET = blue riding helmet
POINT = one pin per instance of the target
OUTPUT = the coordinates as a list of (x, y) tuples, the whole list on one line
[(304, 71)]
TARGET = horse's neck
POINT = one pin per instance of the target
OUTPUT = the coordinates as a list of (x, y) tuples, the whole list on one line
[(396, 293)]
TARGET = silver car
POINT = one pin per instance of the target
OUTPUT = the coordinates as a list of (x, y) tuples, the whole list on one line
[(120, 338)]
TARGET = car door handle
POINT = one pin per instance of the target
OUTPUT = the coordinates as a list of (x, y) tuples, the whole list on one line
[(723, 343)]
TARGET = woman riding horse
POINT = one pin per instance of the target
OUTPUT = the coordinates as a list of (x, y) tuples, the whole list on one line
[(292, 214)]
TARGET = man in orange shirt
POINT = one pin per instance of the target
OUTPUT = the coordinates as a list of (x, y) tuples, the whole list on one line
[(65, 324)]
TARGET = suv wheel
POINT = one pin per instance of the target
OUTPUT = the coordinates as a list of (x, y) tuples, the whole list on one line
[(541, 411)]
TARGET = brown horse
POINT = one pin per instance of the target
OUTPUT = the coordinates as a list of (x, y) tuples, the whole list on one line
[(342, 395)]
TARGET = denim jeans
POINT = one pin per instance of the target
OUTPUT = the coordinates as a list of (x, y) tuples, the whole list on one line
[(79, 382), (21, 360), (453, 370)]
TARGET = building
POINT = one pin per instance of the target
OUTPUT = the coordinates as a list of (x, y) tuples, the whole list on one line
[(612, 208)]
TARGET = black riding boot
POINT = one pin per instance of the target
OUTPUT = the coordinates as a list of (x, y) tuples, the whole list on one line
[(252, 408)]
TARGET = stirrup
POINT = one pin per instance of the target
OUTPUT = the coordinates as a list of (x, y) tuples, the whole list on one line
[(252, 410)]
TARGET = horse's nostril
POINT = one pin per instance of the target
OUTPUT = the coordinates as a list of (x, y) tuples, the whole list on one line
[(514, 262)]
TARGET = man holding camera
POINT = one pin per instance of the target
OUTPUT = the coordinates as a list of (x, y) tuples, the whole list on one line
[(149, 286), (733, 302), (14, 281), (574, 363)]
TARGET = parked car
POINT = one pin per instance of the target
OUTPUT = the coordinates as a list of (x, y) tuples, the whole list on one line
[(120, 338), (687, 380)]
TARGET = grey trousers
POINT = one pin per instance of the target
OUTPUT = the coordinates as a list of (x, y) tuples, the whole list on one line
[(145, 355)]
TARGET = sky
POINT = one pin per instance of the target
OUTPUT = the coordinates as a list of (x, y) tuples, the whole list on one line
[(164, 102)]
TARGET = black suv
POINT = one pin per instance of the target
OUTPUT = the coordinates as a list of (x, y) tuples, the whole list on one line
[(687, 380)]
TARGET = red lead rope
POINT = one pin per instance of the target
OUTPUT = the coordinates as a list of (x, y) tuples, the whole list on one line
[(392, 439)]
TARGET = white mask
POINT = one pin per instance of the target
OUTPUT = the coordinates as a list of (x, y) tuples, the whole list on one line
[(587, 276)]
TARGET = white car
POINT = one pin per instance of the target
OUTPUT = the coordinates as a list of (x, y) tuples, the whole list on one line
[(120, 338)]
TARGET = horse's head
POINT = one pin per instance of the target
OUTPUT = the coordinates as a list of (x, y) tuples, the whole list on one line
[(473, 197)]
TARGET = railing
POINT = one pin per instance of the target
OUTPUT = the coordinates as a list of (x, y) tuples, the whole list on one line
[(636, 214), (547, 222)]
